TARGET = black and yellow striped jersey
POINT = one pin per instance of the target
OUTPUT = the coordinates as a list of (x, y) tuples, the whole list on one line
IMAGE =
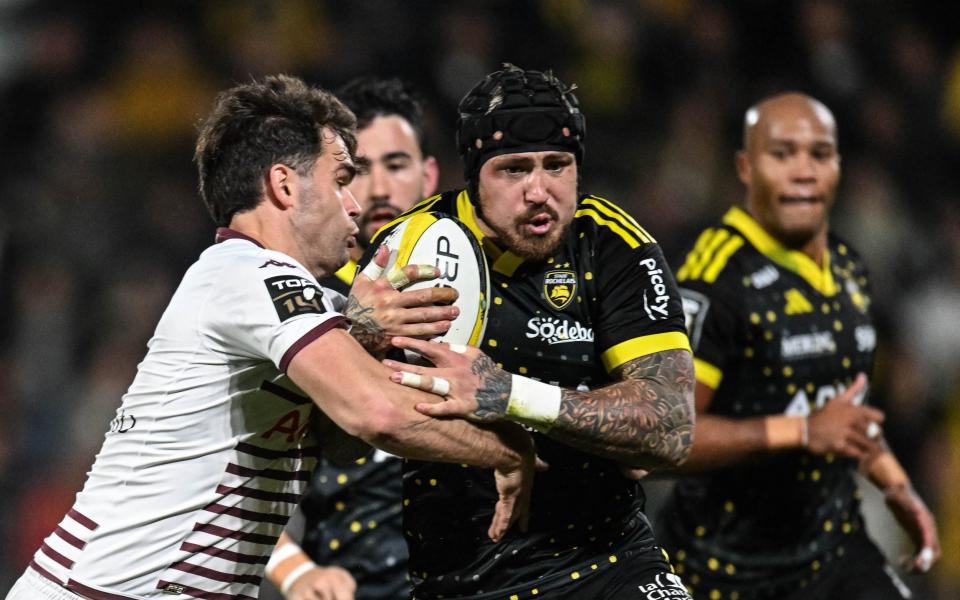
[(605, 297), (773, 333)]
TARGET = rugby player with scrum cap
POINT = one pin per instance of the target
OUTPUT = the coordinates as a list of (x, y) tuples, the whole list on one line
[(585, 345)]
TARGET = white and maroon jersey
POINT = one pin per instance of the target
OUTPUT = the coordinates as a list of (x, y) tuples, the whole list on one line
[(210, 449)]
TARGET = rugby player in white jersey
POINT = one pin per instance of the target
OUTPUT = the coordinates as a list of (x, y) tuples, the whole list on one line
[(213, 449)]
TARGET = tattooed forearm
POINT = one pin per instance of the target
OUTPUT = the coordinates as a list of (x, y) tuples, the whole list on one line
[(493, 391), (365, 328), (644, 420)]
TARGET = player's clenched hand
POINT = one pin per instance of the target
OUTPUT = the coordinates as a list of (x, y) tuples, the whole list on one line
[(379, 309), (917, 520), (844, 428), (323, 583), (472, 385)]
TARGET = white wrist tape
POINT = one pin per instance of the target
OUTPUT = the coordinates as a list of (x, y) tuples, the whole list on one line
[(281, 554), (533, 402), (290, 579)]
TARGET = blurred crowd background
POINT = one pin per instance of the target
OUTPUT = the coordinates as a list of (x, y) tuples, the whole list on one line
[(99, 214)]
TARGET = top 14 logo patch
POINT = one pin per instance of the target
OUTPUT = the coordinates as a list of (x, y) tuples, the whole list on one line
[(559, 288), (292, 296)]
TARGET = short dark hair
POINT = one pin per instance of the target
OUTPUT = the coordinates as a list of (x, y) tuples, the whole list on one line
[(259, 124), (370, 97)]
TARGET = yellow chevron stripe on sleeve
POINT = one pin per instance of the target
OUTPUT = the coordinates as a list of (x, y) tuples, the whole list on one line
[(720, 259), (707, 374), (642, 346), (707, 255), (694, 255), (614, 226), (615, 212)]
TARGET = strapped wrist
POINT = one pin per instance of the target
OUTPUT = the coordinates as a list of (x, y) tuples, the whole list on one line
[(533, 402), (286, 565), (783, 432)]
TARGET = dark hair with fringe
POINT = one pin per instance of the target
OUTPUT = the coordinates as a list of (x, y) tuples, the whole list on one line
[(369, 98), (278, 120)]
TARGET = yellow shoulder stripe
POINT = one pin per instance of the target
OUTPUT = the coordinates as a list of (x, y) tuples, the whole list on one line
[(718, 238), (707, 374), (721, 257), (694, 255), (614, 226), (621, 216), (642, 346)]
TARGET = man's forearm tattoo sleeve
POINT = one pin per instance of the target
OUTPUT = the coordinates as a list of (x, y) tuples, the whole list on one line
[(644, 420)]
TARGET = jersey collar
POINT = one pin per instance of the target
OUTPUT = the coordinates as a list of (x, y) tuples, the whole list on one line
[(225, 233), (819, 277), (502, 261)]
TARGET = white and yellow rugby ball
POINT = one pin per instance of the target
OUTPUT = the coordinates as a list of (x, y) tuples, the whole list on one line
[(444, 242)]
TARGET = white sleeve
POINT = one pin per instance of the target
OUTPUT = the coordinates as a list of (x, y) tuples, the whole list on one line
[(272, 313)]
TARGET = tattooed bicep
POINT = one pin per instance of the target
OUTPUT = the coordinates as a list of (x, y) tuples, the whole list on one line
[(670, 365)]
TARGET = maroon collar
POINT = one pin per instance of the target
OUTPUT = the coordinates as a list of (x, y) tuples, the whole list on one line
[(225, 233)]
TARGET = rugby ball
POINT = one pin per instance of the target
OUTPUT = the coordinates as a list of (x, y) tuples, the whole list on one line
[(445, 242)]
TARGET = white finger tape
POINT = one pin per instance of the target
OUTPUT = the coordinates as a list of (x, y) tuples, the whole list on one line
[(925, 559), (873, 430), (397, 277), (441, 386), (458, 348), (372, 270), (410, 379)]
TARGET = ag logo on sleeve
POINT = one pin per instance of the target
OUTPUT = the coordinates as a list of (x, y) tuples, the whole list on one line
[(294, 296)]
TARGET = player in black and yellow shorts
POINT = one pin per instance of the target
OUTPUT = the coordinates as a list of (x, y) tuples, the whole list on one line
[(778, 312), (581, 300)]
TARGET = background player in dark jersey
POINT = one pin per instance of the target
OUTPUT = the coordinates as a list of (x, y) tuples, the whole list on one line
[(778, 312), (583, 301), (352, 542)]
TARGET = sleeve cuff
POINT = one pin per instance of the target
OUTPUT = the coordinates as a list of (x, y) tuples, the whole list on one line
[(642, 346), (707, 374), (304, 341)]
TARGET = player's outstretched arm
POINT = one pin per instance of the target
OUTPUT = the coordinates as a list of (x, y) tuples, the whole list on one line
[(644, 420), (885, 471), (378, 310), (842, 427), (355, 391)]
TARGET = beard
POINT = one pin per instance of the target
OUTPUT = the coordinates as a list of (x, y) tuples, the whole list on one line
[(529, 246)]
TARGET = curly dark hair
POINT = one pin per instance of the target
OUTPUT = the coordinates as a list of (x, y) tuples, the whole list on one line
[(259, 124), (370, 97)]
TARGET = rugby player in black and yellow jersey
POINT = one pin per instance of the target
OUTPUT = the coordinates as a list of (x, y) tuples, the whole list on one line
[(585, 343), (778, 311)]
